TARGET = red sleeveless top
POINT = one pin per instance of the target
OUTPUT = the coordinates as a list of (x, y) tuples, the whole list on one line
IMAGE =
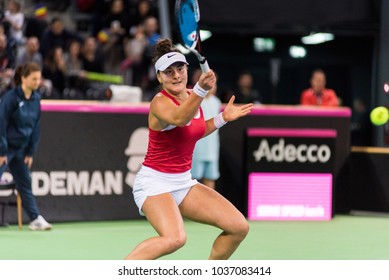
[(171, 150)]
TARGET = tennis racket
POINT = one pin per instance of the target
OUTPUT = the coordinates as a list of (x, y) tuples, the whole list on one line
[(187, 14)]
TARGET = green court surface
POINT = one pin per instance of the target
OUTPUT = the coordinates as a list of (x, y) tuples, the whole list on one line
[(343, 238)]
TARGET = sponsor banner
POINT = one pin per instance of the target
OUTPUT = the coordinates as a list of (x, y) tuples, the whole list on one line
[(289, 173), (86, 164), (286, 196), (233, 145)]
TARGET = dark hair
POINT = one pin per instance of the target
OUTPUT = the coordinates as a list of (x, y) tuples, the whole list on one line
[(54, 20), (164, 46), (244, 73), (318, 70), (25, 70)]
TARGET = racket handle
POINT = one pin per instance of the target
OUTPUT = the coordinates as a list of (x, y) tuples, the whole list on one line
[(204, 65)]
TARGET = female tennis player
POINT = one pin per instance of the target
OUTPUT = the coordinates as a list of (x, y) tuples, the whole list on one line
[(163, 189), (19, 136)]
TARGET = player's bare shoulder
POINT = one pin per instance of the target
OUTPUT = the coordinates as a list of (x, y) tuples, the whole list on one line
[(159, 103), (158, 98)]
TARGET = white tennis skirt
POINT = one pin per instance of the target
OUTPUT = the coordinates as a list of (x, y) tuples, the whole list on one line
[(149, 182)]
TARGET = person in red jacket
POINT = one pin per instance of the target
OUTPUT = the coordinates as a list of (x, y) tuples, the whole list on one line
[(318, 94)]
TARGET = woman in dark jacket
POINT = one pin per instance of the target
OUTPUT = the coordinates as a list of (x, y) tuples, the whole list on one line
[(19, 136)]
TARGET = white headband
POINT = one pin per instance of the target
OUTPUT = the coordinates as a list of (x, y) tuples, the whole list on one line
[(168, 59)]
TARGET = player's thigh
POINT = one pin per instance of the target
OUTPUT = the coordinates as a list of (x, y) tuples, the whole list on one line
[(163, 214), (205, 205)]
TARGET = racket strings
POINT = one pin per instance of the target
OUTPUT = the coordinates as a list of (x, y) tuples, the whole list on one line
[(187, 15)]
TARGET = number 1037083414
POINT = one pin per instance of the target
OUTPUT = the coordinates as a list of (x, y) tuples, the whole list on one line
[(237, 270)]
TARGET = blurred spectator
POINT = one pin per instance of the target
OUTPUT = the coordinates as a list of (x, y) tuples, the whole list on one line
[(92, 59), (150, 28), (132, 65), (143, 9), (76, 83), (361, 127), (15, 18), (7, 64), (245, 93), (30, 53), (56, 35), (73, 60), (139, 51), (115, 25), (115, 17), (37, 24), (54, 69), (318, 94)]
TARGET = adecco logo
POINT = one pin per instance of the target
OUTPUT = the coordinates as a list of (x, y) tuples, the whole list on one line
[(280, 152)]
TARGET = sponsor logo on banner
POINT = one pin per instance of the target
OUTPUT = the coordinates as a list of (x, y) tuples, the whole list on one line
[(89, 183), (69, 183), (288, 152)]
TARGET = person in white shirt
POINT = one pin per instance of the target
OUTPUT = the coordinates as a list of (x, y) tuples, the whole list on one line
[(15, 17)]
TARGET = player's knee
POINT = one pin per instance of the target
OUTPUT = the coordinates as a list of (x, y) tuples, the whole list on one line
[(173, 243), (241, 229)]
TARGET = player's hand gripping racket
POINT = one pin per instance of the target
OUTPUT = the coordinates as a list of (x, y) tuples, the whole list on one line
[(187, 18)]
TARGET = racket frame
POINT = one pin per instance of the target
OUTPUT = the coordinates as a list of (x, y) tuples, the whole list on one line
[(195, 47)]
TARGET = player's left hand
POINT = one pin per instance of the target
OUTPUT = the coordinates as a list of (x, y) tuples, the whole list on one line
[(233, 112)]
